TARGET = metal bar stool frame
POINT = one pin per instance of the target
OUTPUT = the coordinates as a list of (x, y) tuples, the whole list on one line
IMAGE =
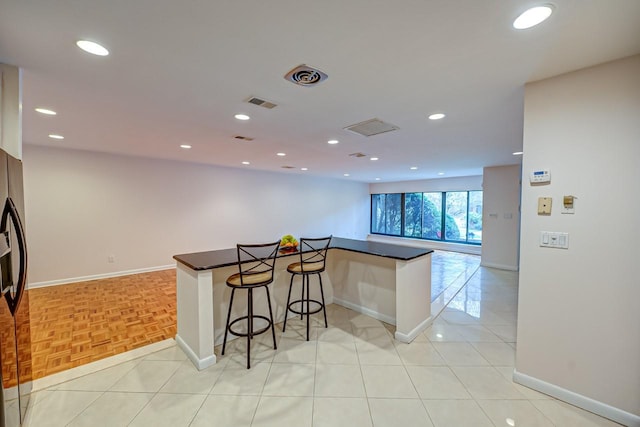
[(256, 264), (313, 259)]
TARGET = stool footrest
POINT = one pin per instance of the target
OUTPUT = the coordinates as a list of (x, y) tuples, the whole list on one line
[(303, 301), (255, 332)]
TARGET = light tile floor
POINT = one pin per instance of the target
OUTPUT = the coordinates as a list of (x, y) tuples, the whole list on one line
[(457, 373)]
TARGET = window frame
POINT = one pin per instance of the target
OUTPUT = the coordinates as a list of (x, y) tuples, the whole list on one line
[(443, 215)]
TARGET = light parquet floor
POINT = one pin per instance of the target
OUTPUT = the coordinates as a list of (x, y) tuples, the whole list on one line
[(82, 322)]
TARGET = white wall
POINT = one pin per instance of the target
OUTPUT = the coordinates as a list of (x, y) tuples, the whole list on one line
[(83, 206), (501, 217), (578, 315), (464, 183)]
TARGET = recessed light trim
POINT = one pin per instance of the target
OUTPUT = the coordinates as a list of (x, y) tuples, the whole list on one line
[(518, 153), (332, 141), (246, 163), (377, 179), (46, 111), (346, 174), (92, 47), (440, 173), (437, 116), (532, 17), (373, 159), (185, 146), (281, 154), (241, 116), (54, 136), (413, 168), (304, 169)]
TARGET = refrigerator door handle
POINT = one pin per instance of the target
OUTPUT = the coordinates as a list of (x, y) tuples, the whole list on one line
[(10, 212)]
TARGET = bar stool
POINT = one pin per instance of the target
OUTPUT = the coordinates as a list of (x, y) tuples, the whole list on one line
[(313, 257), (256, 263)]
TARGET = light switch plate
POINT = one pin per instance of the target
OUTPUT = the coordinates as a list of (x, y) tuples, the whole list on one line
[(554, 239)]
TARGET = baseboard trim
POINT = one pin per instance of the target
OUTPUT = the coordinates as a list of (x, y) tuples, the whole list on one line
[(98, 365), (364, 310), (407, 338), (499, 266), (200, 364), (575, 399), (98, 276)]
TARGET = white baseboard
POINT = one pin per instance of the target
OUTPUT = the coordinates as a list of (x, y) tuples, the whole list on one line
[(575, 399), (200, 364), (98, 276), (499, 266), (407, 338), (364, 310)]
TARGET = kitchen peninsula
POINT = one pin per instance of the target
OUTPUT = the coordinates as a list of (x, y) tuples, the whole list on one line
[(389, 282)]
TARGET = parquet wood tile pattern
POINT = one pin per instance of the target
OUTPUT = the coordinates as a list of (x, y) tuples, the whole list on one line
[(78, 323)]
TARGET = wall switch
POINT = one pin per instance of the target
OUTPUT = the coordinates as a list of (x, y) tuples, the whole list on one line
[(544, 205), (552, 239), (111, 258)]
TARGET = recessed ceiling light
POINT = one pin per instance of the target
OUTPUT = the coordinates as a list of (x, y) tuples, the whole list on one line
[(377, 179), (437, 116), (304, 169), (185, 146), (532, 17), (413, 168), (332, 141), (518, 153), (246, 163), (46, 111), (92, 47), (346, 174), (281, 154), (374, 159), (242, 117), (440, 173), (52, 136)]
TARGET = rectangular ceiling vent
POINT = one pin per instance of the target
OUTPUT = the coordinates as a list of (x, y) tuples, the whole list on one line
[(371, 127), (357, 155), (261, 102)]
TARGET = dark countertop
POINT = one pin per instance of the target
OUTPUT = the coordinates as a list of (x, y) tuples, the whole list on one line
[(226, 257)]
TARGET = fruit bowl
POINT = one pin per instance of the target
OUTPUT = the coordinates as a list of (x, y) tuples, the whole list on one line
[(288, 243)]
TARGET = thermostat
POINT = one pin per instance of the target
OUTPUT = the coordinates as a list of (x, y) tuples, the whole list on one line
[(538, 176)]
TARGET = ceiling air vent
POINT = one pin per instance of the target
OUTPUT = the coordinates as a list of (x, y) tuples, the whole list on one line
[(287, 167), (261, 102), (243, 138), (371, 127), (357, 155), (304, 75)]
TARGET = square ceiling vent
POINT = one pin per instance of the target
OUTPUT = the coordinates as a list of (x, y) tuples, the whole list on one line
[(372, 127)]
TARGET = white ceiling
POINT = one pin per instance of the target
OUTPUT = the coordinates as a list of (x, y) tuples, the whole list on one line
[(180, 70)]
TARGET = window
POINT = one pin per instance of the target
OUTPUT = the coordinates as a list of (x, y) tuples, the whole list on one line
[(386, 214), (426, 215)]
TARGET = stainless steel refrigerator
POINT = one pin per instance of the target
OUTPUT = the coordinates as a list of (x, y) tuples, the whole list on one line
[(15, 334)]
